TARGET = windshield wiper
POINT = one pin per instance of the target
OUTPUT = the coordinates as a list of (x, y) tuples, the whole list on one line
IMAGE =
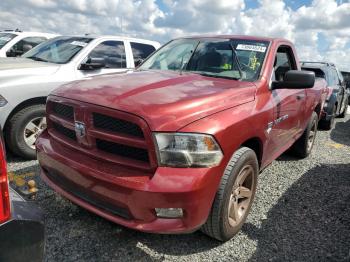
[(237, 61), (216, 76), (37, 59)]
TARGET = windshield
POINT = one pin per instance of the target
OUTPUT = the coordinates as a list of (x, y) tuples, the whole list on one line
[(224, 58), (59, 50), (5, 38)]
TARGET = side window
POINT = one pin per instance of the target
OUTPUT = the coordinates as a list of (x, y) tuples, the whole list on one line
[(141, 51), (113, 53), (340, 76), (24, 45), (284, 61), (333, 77)]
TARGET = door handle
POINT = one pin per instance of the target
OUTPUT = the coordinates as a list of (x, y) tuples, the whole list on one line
[(299, 97)]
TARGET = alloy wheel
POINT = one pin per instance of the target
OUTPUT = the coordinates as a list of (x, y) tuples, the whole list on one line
[(241, 195), (33, 129)]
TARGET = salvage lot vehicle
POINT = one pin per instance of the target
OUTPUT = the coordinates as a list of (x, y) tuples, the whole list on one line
[(346, 76), (178, 145), (21, 222), (16, 43), (338, 95), (25, 82)]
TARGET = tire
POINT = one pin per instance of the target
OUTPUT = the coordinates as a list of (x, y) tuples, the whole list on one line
[(218, 224), (328, 124), (303, 146), (18, 125), (343, 114)]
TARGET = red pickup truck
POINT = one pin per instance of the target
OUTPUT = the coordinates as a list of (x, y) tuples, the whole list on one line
[(178, 144)]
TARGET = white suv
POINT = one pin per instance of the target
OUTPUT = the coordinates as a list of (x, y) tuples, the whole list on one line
[(25, 82), (15, 42)]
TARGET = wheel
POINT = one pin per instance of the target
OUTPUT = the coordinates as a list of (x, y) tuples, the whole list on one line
[(303, 146), (328, 124), (234, 197), (23, 129), (346, 105)]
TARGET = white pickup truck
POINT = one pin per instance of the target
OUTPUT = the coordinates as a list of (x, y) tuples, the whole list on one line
[(15, 42), (25, 82)]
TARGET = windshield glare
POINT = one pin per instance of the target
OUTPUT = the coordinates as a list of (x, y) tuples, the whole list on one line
[(224, 58), (59, 50), (5, 38)]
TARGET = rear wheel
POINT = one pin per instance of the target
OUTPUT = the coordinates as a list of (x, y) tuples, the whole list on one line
[(235, 196), (328, 124), (303, 146), (23, 129)]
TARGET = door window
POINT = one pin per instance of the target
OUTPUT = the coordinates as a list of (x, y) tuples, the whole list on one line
[(25, 45), (284, 61), (113, 53), (141, 51)]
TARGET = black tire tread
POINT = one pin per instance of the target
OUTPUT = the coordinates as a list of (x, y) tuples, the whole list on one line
[(300, 146), (10, 138), (212, 225)]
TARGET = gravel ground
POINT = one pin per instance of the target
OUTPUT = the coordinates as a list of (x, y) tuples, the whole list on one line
[(301, 213)]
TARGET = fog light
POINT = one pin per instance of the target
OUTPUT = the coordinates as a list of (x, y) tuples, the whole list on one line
[(169, 212)]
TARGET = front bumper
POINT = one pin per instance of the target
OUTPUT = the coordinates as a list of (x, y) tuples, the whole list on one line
[(23, 237), (126, 196)]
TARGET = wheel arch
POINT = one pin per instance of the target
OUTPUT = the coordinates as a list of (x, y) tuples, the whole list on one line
[(256, 145), (318, 110), (24, 104)]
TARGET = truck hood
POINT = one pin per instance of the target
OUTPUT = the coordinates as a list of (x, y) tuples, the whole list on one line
[(14, 68), (167, 100)]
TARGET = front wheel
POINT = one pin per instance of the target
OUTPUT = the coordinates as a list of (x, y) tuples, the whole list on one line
[(234, 197), (303, 146), (23, 129)]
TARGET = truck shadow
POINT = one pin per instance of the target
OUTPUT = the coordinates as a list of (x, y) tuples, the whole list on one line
[(310, 221), (341, 133)]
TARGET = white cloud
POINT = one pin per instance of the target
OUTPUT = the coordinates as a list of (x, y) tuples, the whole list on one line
[(144, 18)]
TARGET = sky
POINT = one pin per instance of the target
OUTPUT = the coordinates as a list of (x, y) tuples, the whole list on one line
[(320, 29)]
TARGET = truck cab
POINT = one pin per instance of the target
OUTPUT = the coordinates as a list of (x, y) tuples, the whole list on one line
[(15, 43)]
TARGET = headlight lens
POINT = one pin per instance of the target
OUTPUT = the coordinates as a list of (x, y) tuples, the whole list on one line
[(187, 150), (3, 101)]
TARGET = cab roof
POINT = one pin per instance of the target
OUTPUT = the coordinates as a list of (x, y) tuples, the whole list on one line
[(247, 37)]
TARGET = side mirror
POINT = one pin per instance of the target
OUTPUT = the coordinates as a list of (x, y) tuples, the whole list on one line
[(295, 79), (11, 53), (138, 61), (93, 63)]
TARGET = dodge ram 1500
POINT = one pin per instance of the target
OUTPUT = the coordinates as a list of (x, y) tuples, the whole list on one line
[(178, 145)]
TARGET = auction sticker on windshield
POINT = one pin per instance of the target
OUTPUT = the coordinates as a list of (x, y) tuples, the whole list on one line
[(78, 43), (256, 48)]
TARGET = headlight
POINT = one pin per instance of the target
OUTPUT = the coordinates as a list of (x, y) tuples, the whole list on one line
[(187, 150), (3, 101)]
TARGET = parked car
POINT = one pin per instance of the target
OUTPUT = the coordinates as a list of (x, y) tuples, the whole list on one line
[(22, 231), (16, 43), (338, 96), (25, 82), (346, 76), (178, 145)]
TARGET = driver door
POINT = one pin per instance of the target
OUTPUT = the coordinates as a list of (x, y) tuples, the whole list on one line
[(114, 56), (289, 104)]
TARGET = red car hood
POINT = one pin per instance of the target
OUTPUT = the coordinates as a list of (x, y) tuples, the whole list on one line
[(167, 100)]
